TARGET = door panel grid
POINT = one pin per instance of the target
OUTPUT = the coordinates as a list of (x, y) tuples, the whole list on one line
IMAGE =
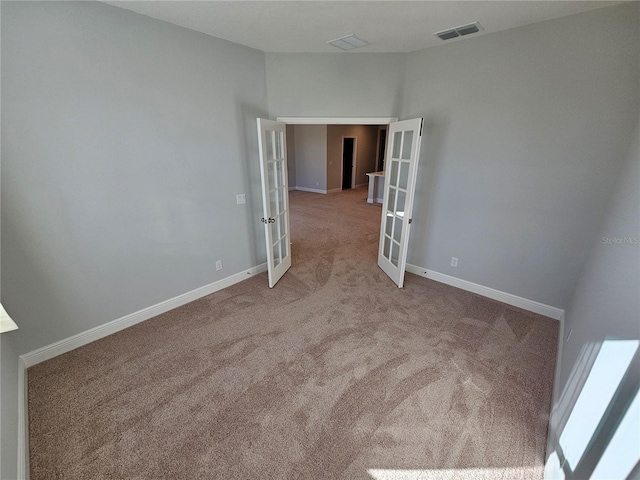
[(275, 197), (398, 197)]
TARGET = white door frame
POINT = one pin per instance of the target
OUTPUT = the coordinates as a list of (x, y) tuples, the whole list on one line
[(353, 161), (386, 143), (337, 120)]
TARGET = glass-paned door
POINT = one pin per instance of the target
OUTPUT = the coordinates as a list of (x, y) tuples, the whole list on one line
[(401, 166), (275, 197)]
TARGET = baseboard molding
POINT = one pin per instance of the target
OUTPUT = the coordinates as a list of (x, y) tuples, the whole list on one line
[(63, 346), (96, 333), (23, 423), (504, 297), (375, 200), (549, 468), (312, 190), (334, 190), (292, 188)]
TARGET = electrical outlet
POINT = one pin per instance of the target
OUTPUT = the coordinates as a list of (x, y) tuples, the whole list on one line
[(454, 261), (218, 264), (240, 199)]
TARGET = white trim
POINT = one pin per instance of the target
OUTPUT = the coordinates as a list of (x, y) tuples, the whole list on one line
[(312, 190), (101, 331), (23, 422), (63, 346), (292, 188), (552, 435), (378, 200), (504, 297), (337, 120)]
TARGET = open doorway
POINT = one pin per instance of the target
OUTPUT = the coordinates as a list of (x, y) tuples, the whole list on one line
[(330, 158), (382, 148), (400, 179), (348, 162)]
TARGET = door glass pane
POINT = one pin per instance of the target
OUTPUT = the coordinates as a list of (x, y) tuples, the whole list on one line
[(275, 236), (282, 224), (407, 144), (400, 203), (284, 244), (278, 145), (271, 140), (391, 203), (404, 175), (279, 173), (281, 200), (395, 252), (271, 169), (397, 141), (282, 145), (393, 176), (283, 172), (389, 224), (276, 254), (397, 231), (387, 242), (273, 202)]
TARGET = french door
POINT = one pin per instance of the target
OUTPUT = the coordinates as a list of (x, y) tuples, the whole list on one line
[(275, 197), (401, 168)]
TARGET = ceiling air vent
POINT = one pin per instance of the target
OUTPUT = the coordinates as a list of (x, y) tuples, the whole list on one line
[(348, 43), (459, 31)]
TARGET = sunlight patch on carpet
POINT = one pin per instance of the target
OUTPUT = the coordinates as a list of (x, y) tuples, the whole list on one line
[(453, 474)]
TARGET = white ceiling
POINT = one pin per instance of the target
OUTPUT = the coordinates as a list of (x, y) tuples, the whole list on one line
[(389, 26)]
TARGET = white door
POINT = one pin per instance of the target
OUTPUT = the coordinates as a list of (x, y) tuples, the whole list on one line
[(401, 168), (275, 197)]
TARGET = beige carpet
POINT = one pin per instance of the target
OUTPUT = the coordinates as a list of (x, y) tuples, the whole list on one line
[(334, 374)]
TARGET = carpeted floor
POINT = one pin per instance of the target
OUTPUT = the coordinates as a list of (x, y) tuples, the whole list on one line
[(334, 374)]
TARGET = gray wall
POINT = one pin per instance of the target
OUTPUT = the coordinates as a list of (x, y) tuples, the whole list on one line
[(311, 156), (124, 143), (605, 303), (335, 84), (524, 133)]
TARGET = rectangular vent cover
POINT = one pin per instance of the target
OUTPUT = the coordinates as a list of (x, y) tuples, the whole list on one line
[(459, 31), (349, 42)]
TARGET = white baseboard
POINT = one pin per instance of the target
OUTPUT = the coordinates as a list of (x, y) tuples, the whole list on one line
[(550, 470), (23, 423), (375, 200), (96, 333), (312, 190), (504, 297), (292, 188), (63, 346)]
